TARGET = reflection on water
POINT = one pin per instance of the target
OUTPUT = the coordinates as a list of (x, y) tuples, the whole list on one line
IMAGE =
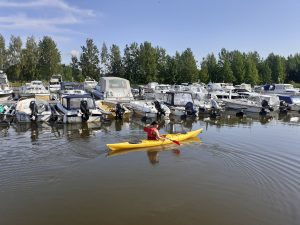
[(244, 170)]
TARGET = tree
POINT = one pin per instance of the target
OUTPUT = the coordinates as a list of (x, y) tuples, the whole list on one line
[(265, 73), (130, 63), (13, 58), (277, 66), (76, 74), (2, 52), (89, 60), (225, 72), (115, 62), (212, 67), (188, 71), (293, 68), (29, 60), (238, 67), (203, 73), (251, 72), (66, 71), (161, 62), (49, 59), (147, 61), (104, 59)]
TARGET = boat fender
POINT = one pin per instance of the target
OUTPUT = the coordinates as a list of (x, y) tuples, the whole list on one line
[(34, 110), (84, 110)]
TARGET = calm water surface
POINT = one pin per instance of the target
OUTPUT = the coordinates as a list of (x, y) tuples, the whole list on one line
[(240, 171)]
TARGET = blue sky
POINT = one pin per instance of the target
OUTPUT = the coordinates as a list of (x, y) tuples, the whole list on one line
[(264, 26)]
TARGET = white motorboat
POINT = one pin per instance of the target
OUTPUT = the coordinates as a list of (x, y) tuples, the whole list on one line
[(150, 109), (77, 109), (32, 109), (5, 89), (89, 84), (35, 89), (71, 88), (113, 89), (255, 103), (292, 101), (180, 103), (285, 89), (54, 83)]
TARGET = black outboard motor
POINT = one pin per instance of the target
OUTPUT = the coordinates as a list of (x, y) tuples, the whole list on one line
[(283, 107), (34, 110), (119, 111), (189, 108), (160, 110), (265, 105), (84, 110)]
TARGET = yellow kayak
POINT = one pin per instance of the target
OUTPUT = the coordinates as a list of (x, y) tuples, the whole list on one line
[(152, 143)]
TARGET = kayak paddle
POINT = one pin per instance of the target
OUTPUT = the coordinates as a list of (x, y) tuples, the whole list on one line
[(175, 142)]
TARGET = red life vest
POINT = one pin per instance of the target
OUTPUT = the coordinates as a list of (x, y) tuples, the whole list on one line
[(151, 135)]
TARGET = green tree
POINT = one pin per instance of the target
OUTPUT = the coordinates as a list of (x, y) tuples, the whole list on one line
[(76, 73), (147, 61), (115, 62), (13, 58), (293, 68), (89, 60), (238, 67), (251, 72), (66, 71), (2, 52), (277, 66), (225, 73), (29, 60), (203, 73), (265, 73), (188, 67), (49, 59), (130, 63), (104, 56), (161, 62)]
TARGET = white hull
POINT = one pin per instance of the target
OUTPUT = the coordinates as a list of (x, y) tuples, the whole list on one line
[(25, 118), (243, 105), (78, 119)]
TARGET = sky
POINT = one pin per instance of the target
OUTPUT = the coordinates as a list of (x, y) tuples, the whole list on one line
[(265, 26)]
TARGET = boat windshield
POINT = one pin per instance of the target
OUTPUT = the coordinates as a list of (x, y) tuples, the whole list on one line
[(182, 98), (117, 84), (74, 103)]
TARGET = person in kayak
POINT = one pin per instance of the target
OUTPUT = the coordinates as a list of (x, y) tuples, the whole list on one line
[(153, 133)]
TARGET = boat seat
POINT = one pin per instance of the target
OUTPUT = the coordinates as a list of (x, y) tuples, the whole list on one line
[(134, 142)]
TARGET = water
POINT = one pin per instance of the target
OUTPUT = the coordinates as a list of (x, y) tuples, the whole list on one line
[(242, 171)]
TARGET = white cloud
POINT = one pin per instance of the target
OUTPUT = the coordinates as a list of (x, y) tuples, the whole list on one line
[(59, 4), (74, 53)]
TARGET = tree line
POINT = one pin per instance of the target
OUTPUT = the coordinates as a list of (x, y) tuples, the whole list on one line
[(142, 63)]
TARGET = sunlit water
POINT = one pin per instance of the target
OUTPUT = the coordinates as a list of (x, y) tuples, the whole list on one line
[(241, 171)]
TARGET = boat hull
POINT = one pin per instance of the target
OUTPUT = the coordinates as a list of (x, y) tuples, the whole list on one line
[(153, 143)]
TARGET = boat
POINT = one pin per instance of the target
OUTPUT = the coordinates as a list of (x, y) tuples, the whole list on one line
[(78, 108), (149, 108), (285, 89), (54, 83), (71, 88), (113, 89), (255, 103), (292, 101), (153, 143), (34, 89), (113, 110), (180, 103), (89, 84), (5, 90), (32, 109)]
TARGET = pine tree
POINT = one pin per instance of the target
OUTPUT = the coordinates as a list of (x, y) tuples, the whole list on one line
[(89, 60), (104, 59), (49, 59), (76, 75), (30, 60), (115, 62)]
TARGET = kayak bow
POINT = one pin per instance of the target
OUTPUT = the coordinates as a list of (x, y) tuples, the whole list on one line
[(151, 143)]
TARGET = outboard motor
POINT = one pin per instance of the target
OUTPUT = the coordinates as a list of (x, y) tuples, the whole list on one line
[(265, 105), (84, 110), (34, 110), (283, 107), (160, 110), (119, 111), (189, 108)]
